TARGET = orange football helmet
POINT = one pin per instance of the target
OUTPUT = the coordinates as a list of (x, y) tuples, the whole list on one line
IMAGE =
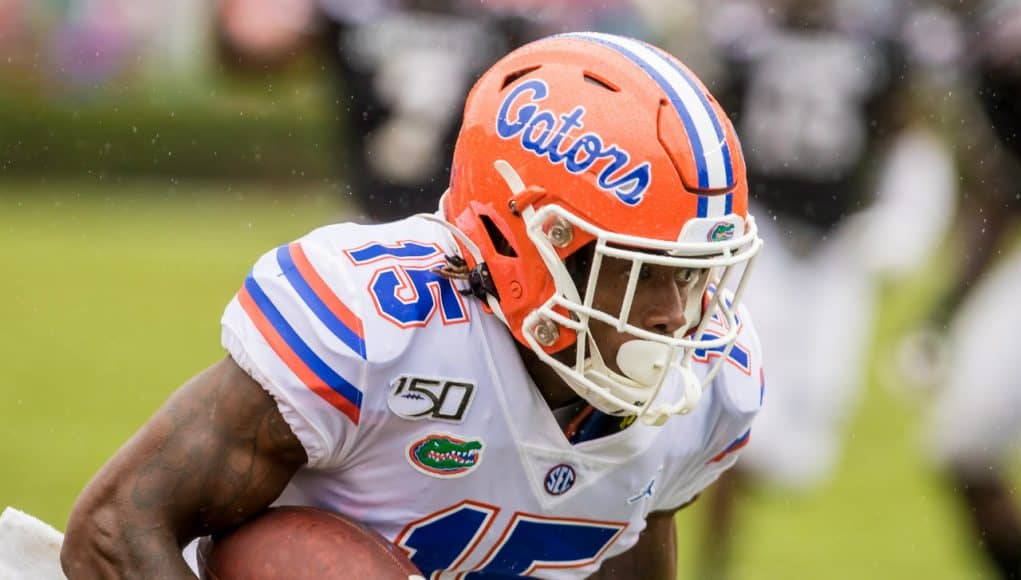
[(588, 137)]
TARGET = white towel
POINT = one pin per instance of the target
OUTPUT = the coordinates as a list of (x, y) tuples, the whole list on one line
[(29, 548)]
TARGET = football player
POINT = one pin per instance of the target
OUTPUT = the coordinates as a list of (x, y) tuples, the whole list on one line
[(531, 381), (976, 418), (400, 69), (817, 88)]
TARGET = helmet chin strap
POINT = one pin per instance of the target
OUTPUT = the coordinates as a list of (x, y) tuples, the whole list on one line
[(643, 365), (692, 393), (642, 361)]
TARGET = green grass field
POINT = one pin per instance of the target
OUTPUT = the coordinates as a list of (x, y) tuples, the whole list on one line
[(111, 297)]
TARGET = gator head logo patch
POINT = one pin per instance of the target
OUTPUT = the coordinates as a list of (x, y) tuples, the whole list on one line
[(721, 232), (444, 455)]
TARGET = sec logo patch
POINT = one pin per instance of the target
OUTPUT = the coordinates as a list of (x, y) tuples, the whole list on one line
[(559, 479)]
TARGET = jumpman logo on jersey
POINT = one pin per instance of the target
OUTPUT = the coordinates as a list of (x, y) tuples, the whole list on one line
[(647, 492), (649, 489)]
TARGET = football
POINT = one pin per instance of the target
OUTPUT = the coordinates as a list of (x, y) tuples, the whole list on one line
[(301, 543)]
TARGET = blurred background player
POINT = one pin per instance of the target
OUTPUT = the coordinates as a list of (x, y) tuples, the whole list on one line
[(818, 146), (976, 416), (400, 69)]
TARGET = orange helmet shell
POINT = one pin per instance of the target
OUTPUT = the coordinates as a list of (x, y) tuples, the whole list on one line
[(616, 131)]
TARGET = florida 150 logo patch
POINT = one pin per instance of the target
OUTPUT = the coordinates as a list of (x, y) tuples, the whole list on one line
[(444, 455), (416, 398)]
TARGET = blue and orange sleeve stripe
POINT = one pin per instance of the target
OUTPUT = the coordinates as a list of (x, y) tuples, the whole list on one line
[(313, 372), (320, 299), (734, 446), (762, 385)]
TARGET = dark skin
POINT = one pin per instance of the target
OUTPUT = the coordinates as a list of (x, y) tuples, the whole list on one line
[(215, 454), (658, 306), (654, 556), (218, 452)]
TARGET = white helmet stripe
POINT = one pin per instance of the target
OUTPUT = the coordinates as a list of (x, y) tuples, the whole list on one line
[(705, 132), (717, 206)]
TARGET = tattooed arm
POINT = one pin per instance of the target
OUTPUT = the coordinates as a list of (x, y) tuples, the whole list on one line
[(216, 453)]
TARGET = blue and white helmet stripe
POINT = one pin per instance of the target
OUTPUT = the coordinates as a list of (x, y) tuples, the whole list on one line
[(715, 205), (704, 129)]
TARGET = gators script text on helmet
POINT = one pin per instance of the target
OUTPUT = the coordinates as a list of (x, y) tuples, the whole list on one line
[(587, 137)]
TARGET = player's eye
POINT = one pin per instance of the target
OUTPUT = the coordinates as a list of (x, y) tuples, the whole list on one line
[(645, 272), (686, 276)]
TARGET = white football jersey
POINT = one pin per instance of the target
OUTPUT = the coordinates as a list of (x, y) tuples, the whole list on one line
[(420, 420)]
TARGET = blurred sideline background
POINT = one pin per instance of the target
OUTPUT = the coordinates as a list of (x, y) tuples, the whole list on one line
[(142, 172)]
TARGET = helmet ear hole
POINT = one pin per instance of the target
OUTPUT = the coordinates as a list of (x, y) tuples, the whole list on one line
[(500, 242), (507, 80), (600, 81)]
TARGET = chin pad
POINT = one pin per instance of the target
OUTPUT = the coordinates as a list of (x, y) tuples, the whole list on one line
[(643, 361)]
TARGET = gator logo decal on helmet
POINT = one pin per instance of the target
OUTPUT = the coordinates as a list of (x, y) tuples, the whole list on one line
[(721, 232), (544, 133), (444, 455)]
